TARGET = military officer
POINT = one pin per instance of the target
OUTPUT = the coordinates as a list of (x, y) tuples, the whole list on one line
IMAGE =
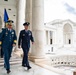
[(7, 41), (24, 41)]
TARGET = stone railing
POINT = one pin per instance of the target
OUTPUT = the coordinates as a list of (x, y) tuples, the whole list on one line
[(63, 60)]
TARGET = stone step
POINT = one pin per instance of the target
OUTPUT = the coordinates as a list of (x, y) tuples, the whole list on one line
[(13, 61)]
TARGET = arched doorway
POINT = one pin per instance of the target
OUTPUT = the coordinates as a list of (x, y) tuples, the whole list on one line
[(67, 32)]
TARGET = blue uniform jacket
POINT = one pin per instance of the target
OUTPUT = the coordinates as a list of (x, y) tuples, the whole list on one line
[(24, 38), (7, 37)]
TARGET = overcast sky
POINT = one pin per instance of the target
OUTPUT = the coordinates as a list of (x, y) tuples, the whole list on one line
[(59, 9)]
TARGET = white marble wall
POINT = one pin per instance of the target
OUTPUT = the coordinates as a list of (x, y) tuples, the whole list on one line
[(59, 40)]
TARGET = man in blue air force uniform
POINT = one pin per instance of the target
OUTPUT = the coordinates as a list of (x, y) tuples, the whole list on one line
[(24, 40), (7, 42)]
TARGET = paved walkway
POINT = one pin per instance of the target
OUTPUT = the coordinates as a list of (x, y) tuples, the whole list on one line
[(19, 70)]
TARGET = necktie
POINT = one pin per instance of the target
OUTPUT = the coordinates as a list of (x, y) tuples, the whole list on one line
[(10, 30), (26, 31)]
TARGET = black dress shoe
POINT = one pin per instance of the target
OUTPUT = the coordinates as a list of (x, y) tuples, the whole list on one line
[(29, 67), (1, 56), (24, 65), (8, 71)]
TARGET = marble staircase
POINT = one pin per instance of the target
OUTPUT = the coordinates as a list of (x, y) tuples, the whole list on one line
[(13, 61)]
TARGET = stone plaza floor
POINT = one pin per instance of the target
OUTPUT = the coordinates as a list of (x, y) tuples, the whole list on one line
[(19, 70)]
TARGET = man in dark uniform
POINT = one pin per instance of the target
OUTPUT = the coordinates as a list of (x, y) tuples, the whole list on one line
[(24, 41), (7, 42)]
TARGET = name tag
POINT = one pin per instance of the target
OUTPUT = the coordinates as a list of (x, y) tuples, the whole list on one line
[(6, 33)]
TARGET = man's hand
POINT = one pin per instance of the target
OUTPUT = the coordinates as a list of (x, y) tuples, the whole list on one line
[(32, 42), (14, 45), (19, 46)]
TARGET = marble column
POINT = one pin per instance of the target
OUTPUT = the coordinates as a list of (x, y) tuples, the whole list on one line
[(48, 37), (20, 17), (54, 37), (38, 29), (28, 13)]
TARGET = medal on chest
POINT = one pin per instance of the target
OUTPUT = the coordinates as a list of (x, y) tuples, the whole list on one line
[(29, 34), (6, 33), (12, 32)]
